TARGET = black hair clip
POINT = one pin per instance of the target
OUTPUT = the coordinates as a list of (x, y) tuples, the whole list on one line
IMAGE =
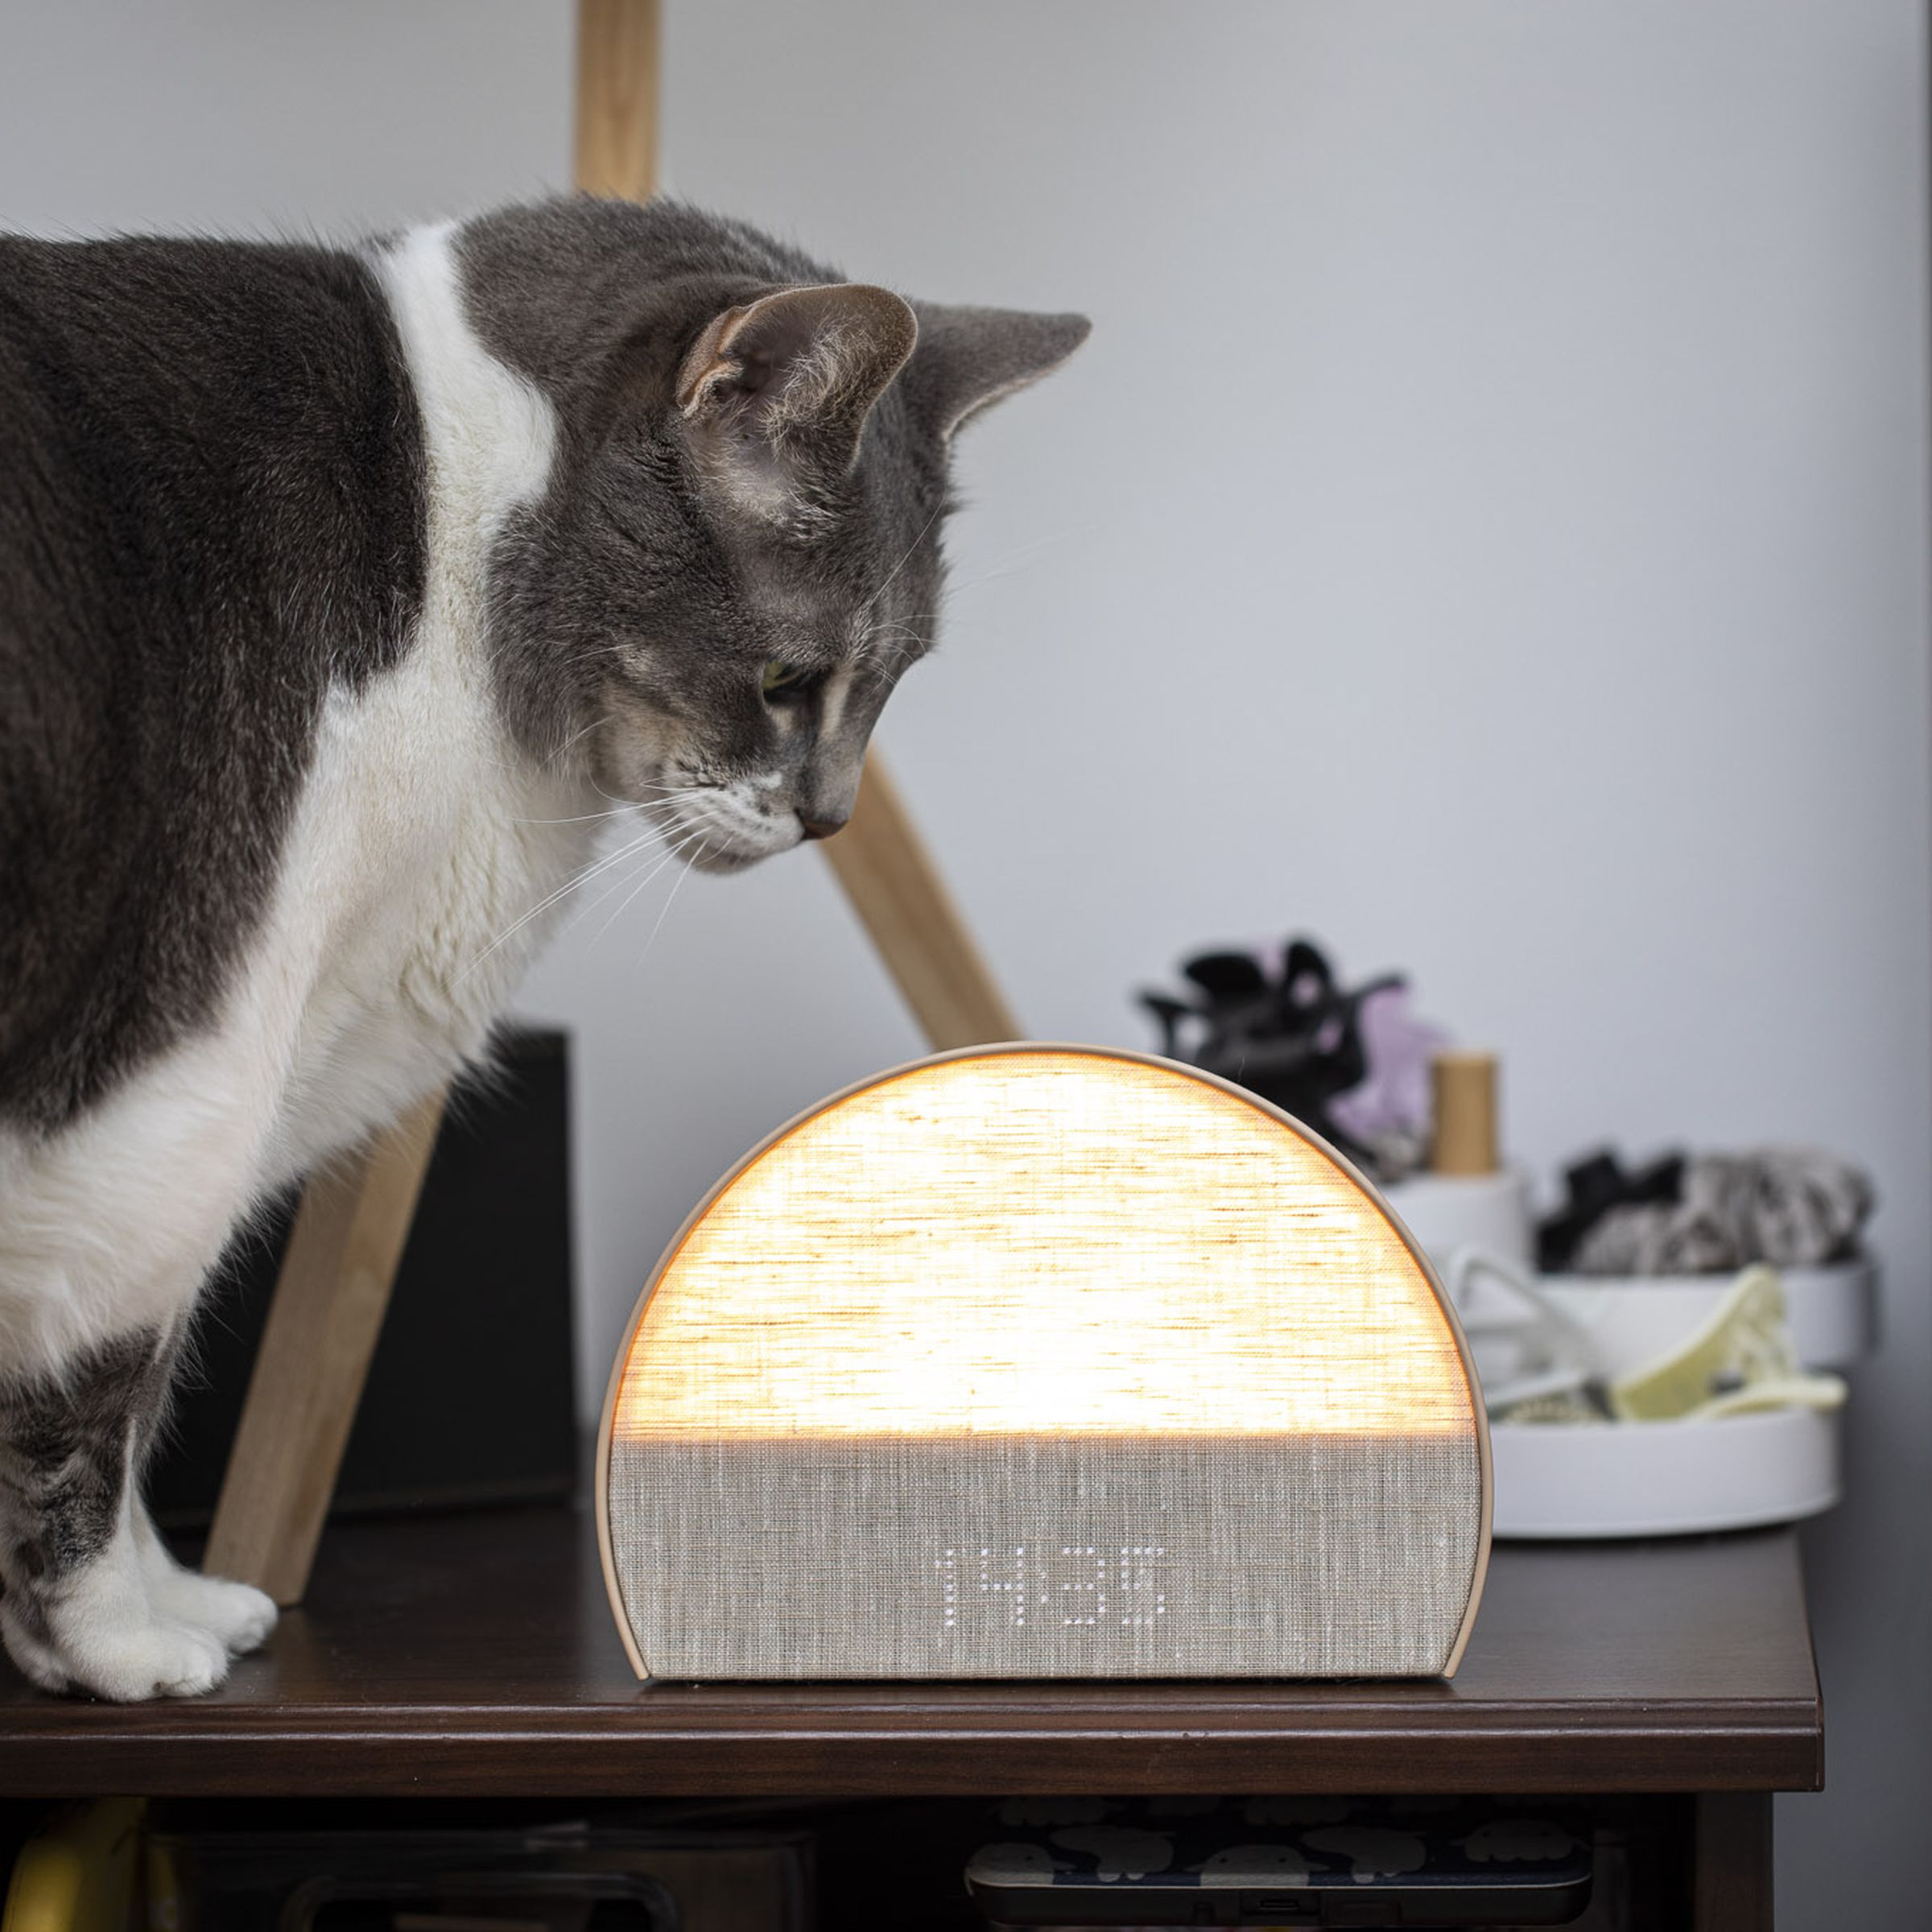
[(1591, 1188), (1294, 1039)]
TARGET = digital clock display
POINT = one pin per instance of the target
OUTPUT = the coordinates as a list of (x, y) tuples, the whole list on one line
[(1065, 1586)]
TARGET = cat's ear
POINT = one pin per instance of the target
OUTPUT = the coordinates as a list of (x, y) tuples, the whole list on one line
[(775, 394), (967, 358)]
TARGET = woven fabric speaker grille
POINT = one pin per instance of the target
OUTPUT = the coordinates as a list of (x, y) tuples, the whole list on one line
[(1043, 1362)]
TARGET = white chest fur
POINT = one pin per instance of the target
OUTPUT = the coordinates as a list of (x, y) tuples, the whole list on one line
[(426, 837), (417, 865)]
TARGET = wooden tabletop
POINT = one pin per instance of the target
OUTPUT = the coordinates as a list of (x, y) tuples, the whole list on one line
[(472, 1655)]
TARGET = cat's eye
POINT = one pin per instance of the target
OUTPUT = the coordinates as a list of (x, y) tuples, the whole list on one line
[(784, 681)]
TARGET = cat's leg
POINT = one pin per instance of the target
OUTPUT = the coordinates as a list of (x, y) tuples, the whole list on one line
[(237, 1616), (107, 1230), (77, 1613)]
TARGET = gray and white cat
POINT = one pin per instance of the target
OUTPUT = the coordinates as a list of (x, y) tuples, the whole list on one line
[(342, 593)]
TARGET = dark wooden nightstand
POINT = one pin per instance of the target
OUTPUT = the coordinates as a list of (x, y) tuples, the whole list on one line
[(1671, 1685)]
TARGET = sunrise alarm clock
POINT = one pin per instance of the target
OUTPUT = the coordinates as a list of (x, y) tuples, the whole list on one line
[(1039, 1361)]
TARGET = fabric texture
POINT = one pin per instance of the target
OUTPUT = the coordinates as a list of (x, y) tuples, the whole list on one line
[(1311, 1556)]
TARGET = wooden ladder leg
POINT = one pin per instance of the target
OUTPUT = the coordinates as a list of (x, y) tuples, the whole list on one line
[(617, 122), (903, 904), (330, 1298)]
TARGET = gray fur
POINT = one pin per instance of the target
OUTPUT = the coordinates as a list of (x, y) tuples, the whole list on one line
[(638, 585), (69, 1445), (211, 509)]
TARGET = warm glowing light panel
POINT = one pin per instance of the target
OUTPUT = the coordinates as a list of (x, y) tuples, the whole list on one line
[(1034, 1361)]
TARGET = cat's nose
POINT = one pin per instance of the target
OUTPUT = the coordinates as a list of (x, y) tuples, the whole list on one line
[(819, 828)]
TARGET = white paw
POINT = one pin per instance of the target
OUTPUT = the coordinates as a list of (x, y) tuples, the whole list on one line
[(131, 1663), (236, 1616), (35, 1661), (165, 1659)]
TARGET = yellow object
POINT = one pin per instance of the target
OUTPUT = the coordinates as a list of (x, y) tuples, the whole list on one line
[(1467, 1137), (80, 1873), (1740, 1362), (1024, 1327)]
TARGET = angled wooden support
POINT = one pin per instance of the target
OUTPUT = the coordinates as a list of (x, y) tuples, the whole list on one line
[(902, 903), (354, 1219), (330, 1298)]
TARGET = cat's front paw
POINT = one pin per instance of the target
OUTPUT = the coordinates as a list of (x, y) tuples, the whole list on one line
[(127, 1663), (164, 1659), (237, 1616)]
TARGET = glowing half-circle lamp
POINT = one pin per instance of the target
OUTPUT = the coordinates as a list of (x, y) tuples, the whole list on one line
[(1043, 1362)]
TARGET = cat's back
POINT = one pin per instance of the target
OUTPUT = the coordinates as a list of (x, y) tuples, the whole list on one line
[(177, 406), (210, 512)]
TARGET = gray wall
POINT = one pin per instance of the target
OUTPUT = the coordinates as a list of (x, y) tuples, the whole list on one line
[(1487, 530)]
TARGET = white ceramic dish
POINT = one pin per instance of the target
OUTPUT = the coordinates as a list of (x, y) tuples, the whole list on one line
[(1832, 1312), (1679, 1478), (1445, 1211), (1663, 1479)]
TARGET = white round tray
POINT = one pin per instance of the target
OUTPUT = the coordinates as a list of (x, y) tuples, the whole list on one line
[(1833, 1312), (1663, 1479)]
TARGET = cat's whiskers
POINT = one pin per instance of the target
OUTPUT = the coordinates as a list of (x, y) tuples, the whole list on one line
[(670, 857), (1026, 551), (889, 627), (905, 628), (998, 575), (1012, 564), (901, 641), (903, 561), (595, 655), (652, 866), (544, 904), (909, 646), (902, 632), (675, 833), (583, 818), (664, 793), (584, 733), (620, 808), (658, 925)]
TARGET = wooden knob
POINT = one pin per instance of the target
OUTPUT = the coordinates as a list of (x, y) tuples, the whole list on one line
[(1466, 1139)]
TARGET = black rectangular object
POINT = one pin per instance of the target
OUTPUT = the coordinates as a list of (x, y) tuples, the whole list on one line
[(471, 1398), (1276, 1862)]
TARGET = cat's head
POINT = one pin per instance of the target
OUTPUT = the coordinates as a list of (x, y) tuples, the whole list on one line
[(742, 554)]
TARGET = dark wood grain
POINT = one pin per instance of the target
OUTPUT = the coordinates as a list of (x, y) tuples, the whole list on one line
[(475, 1655)]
